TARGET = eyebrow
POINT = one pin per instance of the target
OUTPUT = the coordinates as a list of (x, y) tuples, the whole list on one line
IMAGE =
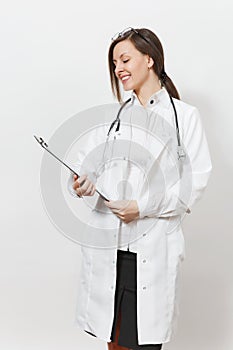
[(124, 53)]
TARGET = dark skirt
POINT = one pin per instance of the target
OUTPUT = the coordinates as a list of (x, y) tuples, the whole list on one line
[(126, 303)]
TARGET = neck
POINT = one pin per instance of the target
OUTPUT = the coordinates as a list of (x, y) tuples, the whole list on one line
[(147, 90)]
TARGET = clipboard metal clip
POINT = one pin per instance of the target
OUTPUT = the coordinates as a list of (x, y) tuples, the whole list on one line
[(41, 141)]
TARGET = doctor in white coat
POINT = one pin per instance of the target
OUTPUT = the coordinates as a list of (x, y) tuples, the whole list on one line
[(148, 223)]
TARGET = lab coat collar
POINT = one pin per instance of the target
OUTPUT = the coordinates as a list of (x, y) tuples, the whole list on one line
[(161, 97)]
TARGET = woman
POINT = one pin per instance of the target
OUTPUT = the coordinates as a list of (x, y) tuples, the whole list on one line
[(132, 303)]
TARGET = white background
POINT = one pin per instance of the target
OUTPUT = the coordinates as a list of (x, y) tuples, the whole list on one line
[(53, 65)]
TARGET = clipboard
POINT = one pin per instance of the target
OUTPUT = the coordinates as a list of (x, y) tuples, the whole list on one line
[(45, 146)]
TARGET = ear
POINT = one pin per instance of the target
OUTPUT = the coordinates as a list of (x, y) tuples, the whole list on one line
[(150, 62)]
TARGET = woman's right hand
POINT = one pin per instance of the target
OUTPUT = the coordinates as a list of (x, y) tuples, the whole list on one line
[(83, 186)]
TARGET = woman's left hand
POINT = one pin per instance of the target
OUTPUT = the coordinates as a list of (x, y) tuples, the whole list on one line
[(126, 210)]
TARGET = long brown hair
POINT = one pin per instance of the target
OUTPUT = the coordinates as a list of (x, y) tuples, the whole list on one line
[(147, 43)]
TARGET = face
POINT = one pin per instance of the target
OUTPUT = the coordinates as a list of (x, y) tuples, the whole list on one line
[(131, 66)]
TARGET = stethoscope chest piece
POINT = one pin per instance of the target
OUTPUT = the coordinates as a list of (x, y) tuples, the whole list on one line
[(181, 153)]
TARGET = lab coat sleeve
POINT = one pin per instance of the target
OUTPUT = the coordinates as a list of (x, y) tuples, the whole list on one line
[(86, 161), (172, 201)]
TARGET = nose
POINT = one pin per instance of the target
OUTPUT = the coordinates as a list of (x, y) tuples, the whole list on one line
[(118, 68)]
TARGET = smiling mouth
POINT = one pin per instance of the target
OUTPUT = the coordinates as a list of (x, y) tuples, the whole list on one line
[(125, 78)]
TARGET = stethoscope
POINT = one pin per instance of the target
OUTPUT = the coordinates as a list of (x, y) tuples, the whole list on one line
[(180, 151)]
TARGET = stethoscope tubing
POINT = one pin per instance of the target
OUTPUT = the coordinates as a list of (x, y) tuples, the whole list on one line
[(118, 121)]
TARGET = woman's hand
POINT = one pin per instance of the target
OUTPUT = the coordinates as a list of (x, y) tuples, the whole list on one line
[(83, 186), (126, 210)]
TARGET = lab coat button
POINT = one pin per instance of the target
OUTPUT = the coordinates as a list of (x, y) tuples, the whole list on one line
[(151, 102), (144, 287), (144, 234), (144, 261), (112, 287)]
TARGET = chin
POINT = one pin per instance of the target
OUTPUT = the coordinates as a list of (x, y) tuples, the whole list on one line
[(128, 88)]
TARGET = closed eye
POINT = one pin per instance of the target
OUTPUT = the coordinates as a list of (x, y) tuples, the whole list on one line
[(124, 61)]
